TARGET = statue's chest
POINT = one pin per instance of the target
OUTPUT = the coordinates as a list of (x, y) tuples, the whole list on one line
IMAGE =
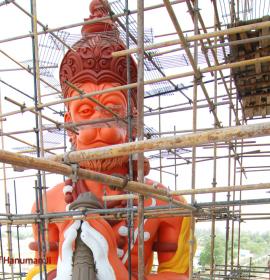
[(128, 233)]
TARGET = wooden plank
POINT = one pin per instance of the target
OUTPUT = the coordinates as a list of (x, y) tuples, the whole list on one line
[(263, 100), (247, 47), (265, 31), (247, 109), (268, 105), (258, 109), (266, 42), (257, 85), (258, 66)]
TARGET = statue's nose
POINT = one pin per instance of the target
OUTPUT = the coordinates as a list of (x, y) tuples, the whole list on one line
[(101, 112)]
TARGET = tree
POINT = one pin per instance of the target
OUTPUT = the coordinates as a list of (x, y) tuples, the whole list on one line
[(205, 256)]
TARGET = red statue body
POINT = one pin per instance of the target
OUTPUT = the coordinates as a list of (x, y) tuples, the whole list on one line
[(91, 68)]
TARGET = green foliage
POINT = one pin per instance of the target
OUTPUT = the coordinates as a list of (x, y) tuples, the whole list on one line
[(256, 243), (205, 256)]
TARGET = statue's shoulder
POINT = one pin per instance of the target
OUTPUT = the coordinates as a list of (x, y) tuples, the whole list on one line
[(56, 189), (56, 198), (158, 185)]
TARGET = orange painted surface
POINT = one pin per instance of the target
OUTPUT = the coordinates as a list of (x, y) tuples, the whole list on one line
[(92, 68), (161, 230)]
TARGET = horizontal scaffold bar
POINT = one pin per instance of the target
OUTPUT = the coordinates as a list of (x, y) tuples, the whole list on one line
[(178, 141)]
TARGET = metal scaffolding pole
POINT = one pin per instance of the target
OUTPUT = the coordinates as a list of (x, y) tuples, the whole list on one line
[(41, 179), (228, 194), (179, 141), (6, 199), (194, 129), (130, 218), (214, 184), (88, 22), (148, 82), (140, 133), (228, 31)]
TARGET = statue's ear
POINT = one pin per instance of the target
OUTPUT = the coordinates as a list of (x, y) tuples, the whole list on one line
[(67, 117)]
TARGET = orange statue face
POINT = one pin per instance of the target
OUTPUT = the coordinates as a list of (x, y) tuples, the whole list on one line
[(84, 109)]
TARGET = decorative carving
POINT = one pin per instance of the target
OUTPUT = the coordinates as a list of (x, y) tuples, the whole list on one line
[(92, 61)]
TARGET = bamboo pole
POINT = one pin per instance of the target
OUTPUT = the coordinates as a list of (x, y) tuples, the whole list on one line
[(214, 54), (29, 144), (148, 215), (42, 25), (148, 82), (122, 216), (117, 212), (48, 150), (179, 141), (6, 195), (86, 22), (229, 31), (69, 126), (196, 71), (26, 69), (130, 202), (32, 111), (194, 148), (249, 187), (238, 42), (21, 69), (217, 20), (41, 198), (59, 168), (227, 234), (214, 182), (119, 197), (120, 213), (195, 16), (140, 133)]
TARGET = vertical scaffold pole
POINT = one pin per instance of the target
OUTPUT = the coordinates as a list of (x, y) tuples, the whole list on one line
[(130, 218), (194, 150), (6, 199), (140, 131), (214, 182), (41, 182)]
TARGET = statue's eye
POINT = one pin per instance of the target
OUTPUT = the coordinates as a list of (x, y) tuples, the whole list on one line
[(85, 110)]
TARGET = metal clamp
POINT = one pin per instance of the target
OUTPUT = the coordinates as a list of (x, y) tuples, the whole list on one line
[(125, 182), (74, 175), (123, 185), (111, 14), (65, 158)]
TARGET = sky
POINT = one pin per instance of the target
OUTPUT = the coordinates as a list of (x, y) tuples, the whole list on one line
[(60, 13)]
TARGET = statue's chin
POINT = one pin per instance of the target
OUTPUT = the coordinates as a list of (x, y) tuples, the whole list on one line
[(105, 165)]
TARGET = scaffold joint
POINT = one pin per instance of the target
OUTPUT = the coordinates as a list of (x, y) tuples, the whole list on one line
[(74, 175), (127, 12)]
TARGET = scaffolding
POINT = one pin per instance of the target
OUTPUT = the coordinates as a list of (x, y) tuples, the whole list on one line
[(202, 105)]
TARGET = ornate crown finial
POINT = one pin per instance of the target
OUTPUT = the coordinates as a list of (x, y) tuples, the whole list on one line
[(99, 8)]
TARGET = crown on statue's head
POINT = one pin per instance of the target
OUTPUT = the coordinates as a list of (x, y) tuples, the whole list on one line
[(92, 59)]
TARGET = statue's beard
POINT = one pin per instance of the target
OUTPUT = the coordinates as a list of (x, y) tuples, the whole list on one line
[(105, 165)]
